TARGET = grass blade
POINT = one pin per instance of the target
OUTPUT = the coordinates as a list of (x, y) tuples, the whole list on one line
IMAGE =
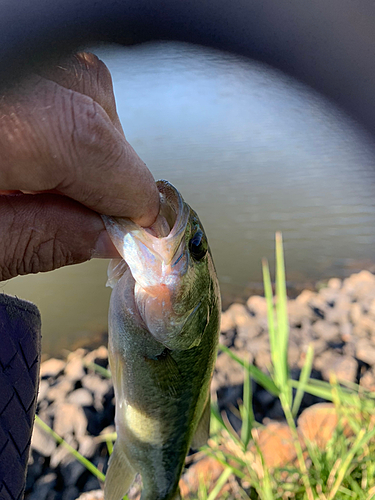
[(220, 483), (303, 379), (80, 458), (259, 377), (361, 440), (282, 321), (247, 414), (270, 316), (99, 369)]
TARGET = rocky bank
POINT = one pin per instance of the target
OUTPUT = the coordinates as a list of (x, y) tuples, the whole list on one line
[(76, 400)]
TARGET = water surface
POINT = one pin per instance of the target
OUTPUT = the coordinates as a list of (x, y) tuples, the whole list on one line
[(253, 152)]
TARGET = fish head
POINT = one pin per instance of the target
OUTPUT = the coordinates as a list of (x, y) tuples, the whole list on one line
[(175, 278)]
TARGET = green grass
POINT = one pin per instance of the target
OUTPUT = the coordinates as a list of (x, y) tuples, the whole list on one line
[(343, 470)]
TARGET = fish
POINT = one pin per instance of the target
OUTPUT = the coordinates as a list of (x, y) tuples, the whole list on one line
[(164, 322)]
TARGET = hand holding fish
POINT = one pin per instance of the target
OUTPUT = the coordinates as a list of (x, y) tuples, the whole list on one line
[(64, 159)]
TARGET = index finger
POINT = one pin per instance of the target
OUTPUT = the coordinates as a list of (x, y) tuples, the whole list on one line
[(57, 139)]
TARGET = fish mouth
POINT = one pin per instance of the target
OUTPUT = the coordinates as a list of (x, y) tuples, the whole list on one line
[(157, 256), (159, 261), (162, 240)]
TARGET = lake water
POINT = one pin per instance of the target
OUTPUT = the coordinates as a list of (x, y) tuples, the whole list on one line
[(253, 152)]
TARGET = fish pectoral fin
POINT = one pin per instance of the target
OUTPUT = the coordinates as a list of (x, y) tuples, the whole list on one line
[(165, 372), (202, 432), (120, 475), (116, 269)]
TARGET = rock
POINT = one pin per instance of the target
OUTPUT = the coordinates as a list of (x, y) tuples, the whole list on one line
[(227, 338), (318, 423), (98, 356), (87, 446), (70, 493), (297, 311), (74, 369), (305, 297), (276, 444), (91, 484), (334, 283), (329, 295), (319, 346), (227, 322), (368, 380), (356, 312), (326, 331), (365, 351), (360, 287), (365, 325), (246, 325), (228, 372), (345, 369), (247, 329), (69, 419), (315, 302), (43, 487), (81, 397), (52, 368), (92, 495), (327, 358), (340, 312), (349, 349), (58, 392), (34, 469), (257, 306), (294, 354), (207, 470), (371, 309), (43, 388), (263, 359), (42, 442), (71, 470), (98, 386), (346, 330)]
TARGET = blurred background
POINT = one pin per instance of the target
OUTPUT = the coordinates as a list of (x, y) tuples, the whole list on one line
[(253, 152)]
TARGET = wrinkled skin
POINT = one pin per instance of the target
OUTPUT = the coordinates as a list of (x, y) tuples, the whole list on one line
[(163, 334)]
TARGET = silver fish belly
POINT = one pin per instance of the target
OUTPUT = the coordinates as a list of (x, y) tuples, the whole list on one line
[(164, 323)]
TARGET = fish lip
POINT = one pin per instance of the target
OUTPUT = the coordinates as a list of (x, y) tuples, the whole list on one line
[(165, 248)]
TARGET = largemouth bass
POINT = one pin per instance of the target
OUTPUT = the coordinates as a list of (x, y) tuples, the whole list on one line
[(163, 333)]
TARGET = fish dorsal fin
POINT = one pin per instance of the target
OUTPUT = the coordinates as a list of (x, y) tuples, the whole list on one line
[(202, 432), (116, 269)]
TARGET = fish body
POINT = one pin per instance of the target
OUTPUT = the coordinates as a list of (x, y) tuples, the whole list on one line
[(163, 333)]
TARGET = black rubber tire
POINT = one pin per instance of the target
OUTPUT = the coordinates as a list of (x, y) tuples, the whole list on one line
[(20, 340)]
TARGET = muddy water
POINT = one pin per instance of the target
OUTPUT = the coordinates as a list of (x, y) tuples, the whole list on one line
[(253, 152)]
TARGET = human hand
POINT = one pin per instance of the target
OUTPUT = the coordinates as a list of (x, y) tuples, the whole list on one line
[(63, 160)]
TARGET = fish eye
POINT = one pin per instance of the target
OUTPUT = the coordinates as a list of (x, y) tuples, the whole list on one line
[(198, 245)]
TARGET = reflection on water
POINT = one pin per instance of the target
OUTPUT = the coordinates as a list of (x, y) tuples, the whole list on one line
[(253, 152)]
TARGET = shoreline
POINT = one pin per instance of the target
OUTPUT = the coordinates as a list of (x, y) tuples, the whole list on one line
[(77, 401)]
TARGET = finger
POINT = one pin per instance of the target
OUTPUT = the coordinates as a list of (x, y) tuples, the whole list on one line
[(86, 74), (56, 139), (45, 232)]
